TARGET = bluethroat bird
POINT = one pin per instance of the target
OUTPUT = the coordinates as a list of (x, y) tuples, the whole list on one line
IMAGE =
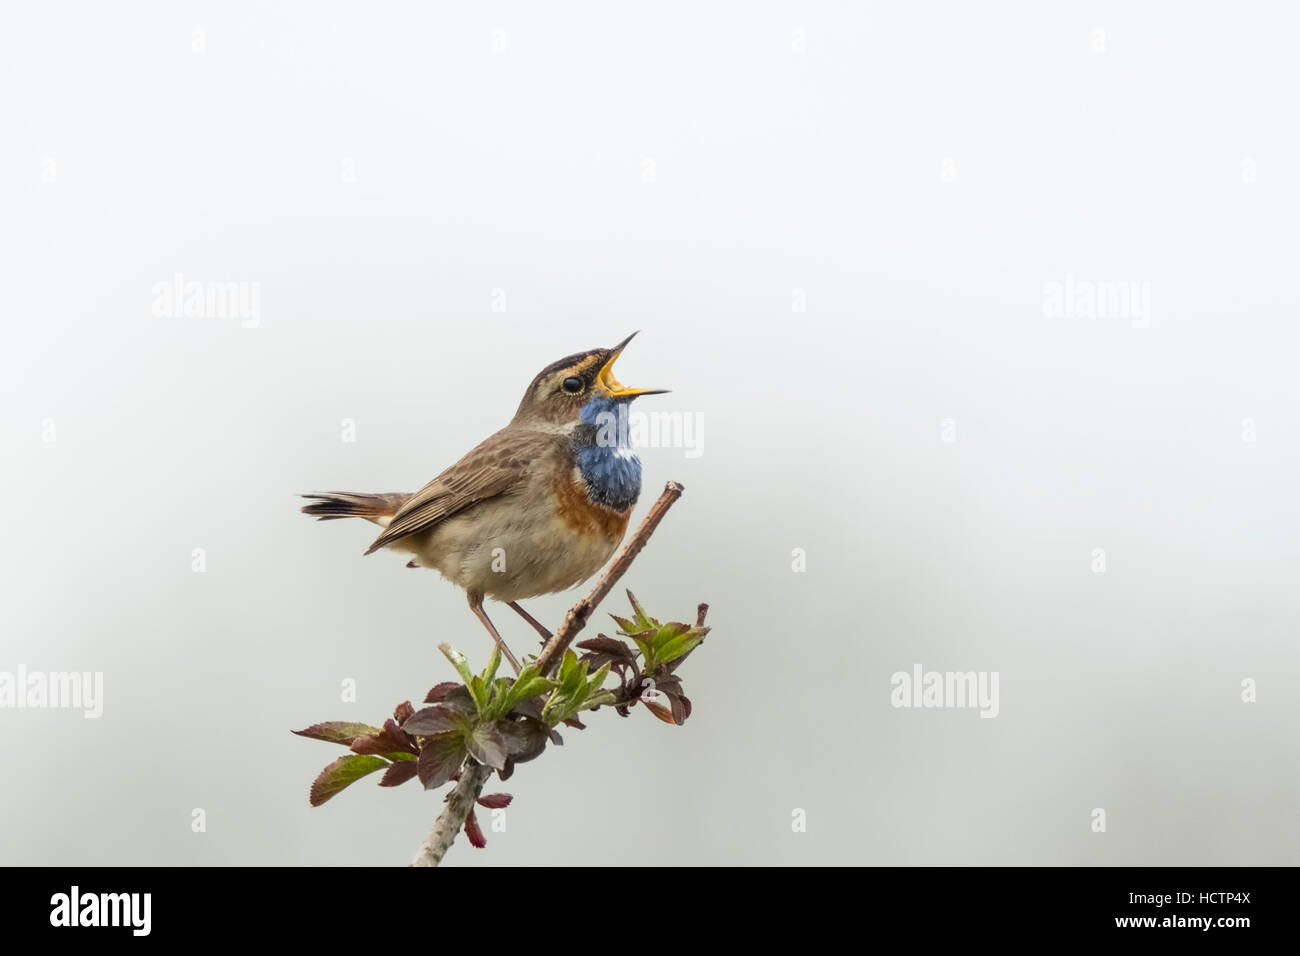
[(538, 507)]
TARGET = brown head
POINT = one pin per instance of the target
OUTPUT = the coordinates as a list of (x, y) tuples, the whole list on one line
[(559, 392)]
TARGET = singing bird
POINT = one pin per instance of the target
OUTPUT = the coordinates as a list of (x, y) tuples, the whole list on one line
[(536, 508)]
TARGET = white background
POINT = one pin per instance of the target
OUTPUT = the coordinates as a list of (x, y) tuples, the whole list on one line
[(918, 173)]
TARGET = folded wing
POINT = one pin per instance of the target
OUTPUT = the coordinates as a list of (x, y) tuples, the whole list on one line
[(495, 467)]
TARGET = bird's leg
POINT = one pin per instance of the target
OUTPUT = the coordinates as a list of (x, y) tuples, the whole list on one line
[(538, 626), (476, 605)]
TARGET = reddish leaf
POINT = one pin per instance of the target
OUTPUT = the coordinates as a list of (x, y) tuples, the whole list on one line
[(659, 710), (668, 683), (399, 773), (495, 801), (487, 745), (438, 719), (608, 647), (337, 731), (528, 707), (681, 708), (371, 744), (524, 739), (441, 757), (440, 691), (398, 736), (389, 740), (403, 711), (476, 838)]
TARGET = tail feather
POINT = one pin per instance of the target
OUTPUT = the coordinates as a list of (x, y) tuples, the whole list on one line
[(345, 504)]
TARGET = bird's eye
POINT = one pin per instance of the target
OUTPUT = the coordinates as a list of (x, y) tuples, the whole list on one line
[(572, 385)]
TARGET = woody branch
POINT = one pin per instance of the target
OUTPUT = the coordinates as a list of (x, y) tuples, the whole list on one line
[(474, 776)]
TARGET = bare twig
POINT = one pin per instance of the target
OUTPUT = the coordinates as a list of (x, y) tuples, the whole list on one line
[(576, 619), (460, 802)]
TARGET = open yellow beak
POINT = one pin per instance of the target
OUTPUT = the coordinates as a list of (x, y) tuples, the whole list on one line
[(610, 384)]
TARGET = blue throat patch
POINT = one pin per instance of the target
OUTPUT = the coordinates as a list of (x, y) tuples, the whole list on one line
[(610, 468)]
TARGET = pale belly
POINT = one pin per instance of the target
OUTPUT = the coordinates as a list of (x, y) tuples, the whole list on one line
[(510, 551)]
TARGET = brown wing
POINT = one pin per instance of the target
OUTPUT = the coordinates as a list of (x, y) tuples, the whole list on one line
[(491, 469)]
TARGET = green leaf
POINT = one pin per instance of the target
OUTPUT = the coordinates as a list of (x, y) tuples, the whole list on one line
[(553, 709), (647, 655), (576, 693), (597, 680), (528, 684), (337, 732), (531, 688), (341, 774), (667, 632), (493, 663), (571, 674), (596, 700), (643, 621), (459, 662), (479, 692), (677, 647)]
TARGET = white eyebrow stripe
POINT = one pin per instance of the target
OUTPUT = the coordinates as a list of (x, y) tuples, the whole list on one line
[(546, 428)]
